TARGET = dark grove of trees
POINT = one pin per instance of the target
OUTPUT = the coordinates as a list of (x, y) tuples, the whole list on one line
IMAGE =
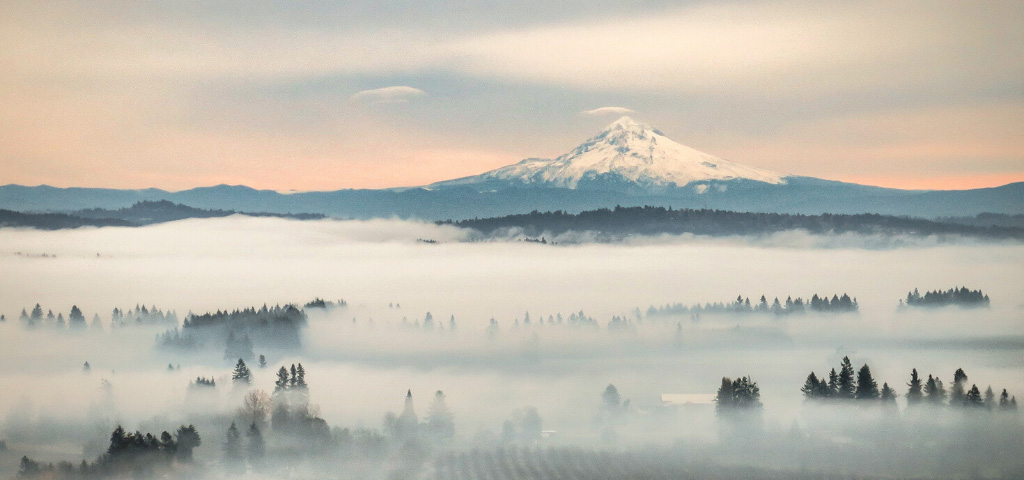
[(838, 304), (130, 454), (962, 297), (648, 220)]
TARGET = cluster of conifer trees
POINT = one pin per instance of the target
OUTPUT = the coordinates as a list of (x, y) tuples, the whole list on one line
[(239, 331), (962, 296), (739, 395), (845, 385)]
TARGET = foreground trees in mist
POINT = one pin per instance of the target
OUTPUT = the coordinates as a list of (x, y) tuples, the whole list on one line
[(135, 454)]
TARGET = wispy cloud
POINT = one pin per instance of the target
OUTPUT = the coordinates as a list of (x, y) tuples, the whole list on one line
[(608, 110), (396, 94)]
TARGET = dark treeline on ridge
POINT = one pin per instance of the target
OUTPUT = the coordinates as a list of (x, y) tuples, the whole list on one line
[(55, 221), (649, 220), (141, 213)]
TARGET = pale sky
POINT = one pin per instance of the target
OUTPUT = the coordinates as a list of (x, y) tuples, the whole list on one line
[(361, 94)]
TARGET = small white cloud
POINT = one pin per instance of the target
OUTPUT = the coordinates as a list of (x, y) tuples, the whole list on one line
[(396, 94), (608, 110)]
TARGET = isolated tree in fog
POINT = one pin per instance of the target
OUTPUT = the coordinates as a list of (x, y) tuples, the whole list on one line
[(440, 420), (914, 395), (263, 361), (1004, 400), (233, 457), (257, 447), (241, 376), (867, 388), (37, 313), (990, 397), (611, 398)]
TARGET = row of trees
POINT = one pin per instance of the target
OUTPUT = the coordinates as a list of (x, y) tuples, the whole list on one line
[(844, 385), (141, 315), (75, 318), (838, 304)]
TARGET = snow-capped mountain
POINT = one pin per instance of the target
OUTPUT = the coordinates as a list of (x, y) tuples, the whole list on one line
[(625, 154)]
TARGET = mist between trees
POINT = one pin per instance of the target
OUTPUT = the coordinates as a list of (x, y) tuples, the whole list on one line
[(525, 396)]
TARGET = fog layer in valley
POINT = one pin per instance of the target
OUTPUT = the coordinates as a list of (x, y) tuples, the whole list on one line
[(363, 357)]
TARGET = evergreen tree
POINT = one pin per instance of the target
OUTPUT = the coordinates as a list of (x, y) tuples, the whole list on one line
[(888, 395), (1004, 400), (241, 376), (812, 387), (611, 398), (300, 377), (233, 457), (833, 383), (440, 420), (914, 395), (76, 319), (867, 388), (724, 399), (956, 392), (846, 386), (973, 398), (257, 447), (282, 380), (263, 361), (990, 398), (37, 313), (935, 394)]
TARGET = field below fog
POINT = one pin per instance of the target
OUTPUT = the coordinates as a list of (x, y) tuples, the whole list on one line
[(363, 357)]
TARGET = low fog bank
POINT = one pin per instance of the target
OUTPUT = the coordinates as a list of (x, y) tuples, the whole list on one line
[(525, 389)]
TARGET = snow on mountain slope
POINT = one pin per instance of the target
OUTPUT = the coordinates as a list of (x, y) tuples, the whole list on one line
[(625, 151)]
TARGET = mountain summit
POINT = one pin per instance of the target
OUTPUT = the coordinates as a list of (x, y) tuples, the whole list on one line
[(626, 154)]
